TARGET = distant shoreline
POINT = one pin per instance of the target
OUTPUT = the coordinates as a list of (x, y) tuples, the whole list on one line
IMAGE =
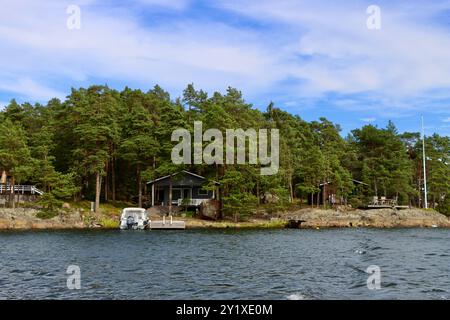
[(25, 219)]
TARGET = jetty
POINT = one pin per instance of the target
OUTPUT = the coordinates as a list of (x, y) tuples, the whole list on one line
[(383, 203), (166, 224)]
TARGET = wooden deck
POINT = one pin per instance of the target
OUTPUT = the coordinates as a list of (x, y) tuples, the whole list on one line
[(383, 203), (20, 189), (372, 206), (167, 224)]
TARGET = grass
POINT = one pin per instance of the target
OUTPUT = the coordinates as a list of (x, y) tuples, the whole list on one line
[(109, 223), (107, 216), (255, 224)]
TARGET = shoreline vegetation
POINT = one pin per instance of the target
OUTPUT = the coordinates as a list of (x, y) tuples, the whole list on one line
[(80, 217), (103, 145)]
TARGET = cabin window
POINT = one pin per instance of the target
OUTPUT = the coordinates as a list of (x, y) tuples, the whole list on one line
[(202, 192), (176, 194)]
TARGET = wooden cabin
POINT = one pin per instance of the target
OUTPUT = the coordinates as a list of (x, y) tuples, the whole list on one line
[(330, 196), (187, 189)]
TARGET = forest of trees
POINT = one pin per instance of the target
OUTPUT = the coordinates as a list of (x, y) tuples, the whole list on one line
[(102, 145)]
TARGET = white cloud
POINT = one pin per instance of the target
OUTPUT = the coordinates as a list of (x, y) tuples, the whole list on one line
[(29, 88), (447, 120), (370, 119), (172, 4), (407, 58), (112, 45), (319, 47)]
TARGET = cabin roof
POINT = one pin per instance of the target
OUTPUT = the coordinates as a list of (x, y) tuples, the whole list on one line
[(354, 181), (182, 171)]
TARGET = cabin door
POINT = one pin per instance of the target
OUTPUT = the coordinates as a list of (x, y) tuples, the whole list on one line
[(187, 193)]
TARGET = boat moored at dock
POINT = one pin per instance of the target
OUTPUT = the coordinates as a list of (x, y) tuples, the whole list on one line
[(134, 219)]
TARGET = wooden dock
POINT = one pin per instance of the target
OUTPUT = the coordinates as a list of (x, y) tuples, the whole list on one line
[(371, 206), (164, 224), (383, 203)]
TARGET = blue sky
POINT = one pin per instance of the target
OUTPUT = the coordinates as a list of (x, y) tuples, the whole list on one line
[(312, 58)]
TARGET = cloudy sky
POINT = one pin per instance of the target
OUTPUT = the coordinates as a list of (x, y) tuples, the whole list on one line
[(312, 58)]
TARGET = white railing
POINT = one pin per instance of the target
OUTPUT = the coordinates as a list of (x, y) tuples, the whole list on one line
[(21, 189), (190, 202)]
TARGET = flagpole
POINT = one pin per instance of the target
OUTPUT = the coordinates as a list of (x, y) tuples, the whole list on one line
[(424, 166)]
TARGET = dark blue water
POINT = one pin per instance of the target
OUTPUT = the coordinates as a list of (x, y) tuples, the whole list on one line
[(226, 264)]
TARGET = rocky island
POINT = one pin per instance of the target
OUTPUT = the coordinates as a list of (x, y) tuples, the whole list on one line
[(27, 219)]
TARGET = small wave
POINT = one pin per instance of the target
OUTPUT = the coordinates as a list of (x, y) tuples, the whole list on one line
[(296, 296), (434, 290), (389, 284), (360, 251)]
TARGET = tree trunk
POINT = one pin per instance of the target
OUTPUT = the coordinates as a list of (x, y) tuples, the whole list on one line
[(113, 177), (291, 190), (139, 185), (11, 194), (324, 195), (106, 180), (257, 192), (319, 195), (318, 198), (3, 184), (376, 187), (170, 194), (98, 187)]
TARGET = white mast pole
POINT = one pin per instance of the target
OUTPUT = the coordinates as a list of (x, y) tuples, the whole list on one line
[(424, 166)]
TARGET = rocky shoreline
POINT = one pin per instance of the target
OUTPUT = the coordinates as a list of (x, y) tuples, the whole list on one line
[(25, 219), (375, 218)]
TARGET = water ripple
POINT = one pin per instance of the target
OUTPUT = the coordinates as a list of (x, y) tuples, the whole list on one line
[(226, 264)]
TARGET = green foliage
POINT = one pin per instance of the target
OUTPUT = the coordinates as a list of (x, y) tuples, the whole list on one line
[(356, 201), (109, 223), (46, 214), (382, 162), (14, 152), (239, 205), (49, 201), (444, 206), (103, 144)]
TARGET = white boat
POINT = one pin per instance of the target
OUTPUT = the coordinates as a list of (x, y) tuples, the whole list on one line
[(133, 219)]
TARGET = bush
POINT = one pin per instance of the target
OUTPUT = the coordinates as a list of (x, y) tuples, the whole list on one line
[(46, 214), (49, 202), (239, 205), (444, 207), (356, 202), (109, 223), (189, 213)]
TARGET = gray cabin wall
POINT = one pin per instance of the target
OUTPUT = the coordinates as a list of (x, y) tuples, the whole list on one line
[(196, 195), (183, 181)]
